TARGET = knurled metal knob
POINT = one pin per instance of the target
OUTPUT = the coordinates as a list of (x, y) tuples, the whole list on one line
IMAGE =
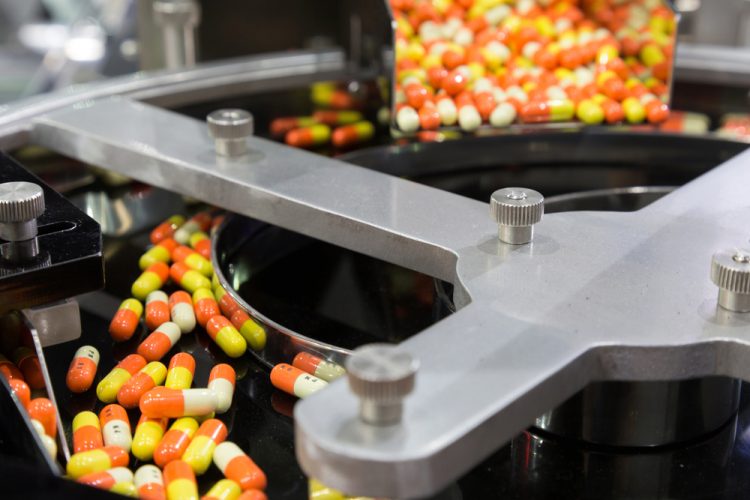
[(230, 129), (382, 375), (730, 271), (20, 205), (516, 210)]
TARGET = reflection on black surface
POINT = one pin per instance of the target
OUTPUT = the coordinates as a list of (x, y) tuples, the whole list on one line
[(326, 292)]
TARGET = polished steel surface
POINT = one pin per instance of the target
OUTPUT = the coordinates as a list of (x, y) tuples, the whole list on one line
[(645, 414), (189, 86), (596, 296)]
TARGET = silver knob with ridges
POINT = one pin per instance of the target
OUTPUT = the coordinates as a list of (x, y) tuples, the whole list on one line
[(730, 271), (20, 205), (382, 375), (516, 210), (230, 129)]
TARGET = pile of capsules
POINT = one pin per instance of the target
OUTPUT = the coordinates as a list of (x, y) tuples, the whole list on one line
[(25, 378), (499, 62), (339, 123)]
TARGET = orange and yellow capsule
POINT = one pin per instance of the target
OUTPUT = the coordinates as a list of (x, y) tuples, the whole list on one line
[(237, 466), (175, 441), (115, 427), (223, 489), (350, 135), (180, 371), (227, 304), (205, 305), (147, 378), (221, 380), (179, 481), (161, 252), (97, 460), (251, 331), (166, 229), (111, 384), (547, 111), (27, 361), (200, 451), (280, 126), (308, 137), (318, 367), (226, 336), (126, 320), (82, 369), (148, 433), (160, 341), (181, 311), (336, 118), (252, 495), (201, 243), (150, 280), (87, 432), (193, 260), (157, 309), (187, 278)]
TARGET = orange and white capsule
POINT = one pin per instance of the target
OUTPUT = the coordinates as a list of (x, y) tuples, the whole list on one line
[(201, 243), (221, 380), (125, 321), (319, 367), (106, 479), (179, 481), (175, 441), (148, 433), (193, 260), (205, 305), (157, 309), (237, 466), (150, 280), (150, 483), (172, 403), (294, 381), (115, 427), (188, 279), (147, 378), (42, 410), (160, 341), (27, 361), (82, 369), (21, 390), (111, 384), (200, 451), (227, 304), (199, 222), (97, 460), (166, 229), (9, 370), (87, 432), (181, 310), (180, 371)]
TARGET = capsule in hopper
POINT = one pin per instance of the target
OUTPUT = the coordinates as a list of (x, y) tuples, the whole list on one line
[(294, 381), (547, 111), (125, 321), (325, 370), (200, 451), (179, 481), (9, 370), (115, 427), (172, 403), (237, 466), (193, 260), (223, 489), (181, 311), (161, 252), (42, 410), (251, 331), (221, 380), (148, 434), (227, 304), (27, 361), (199, 222), (97, 460), (111, 384), (180, 371), (226, 336), (106, 479), (150, 280), (21, 390), (201, 243), (175, 441), (149, 482), (205, 305), (350, 135), (166, 229), (157, 309), (308, 137), (82, 369), (160, 341), (187, 278), (147, 378), (87, 432)]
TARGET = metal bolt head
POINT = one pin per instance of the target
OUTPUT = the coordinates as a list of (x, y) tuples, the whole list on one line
[(382, 375), (730, 271), (177, 12), (230, 128), (20, 201), (516, 210)]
